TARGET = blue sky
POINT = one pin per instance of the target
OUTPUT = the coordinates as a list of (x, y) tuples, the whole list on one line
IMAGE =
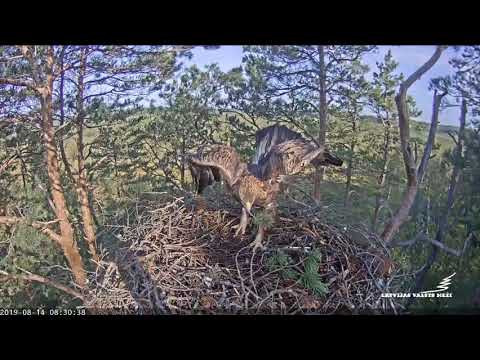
[(409, 58)]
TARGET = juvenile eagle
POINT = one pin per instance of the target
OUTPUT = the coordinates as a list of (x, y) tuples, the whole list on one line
[(279, 152)]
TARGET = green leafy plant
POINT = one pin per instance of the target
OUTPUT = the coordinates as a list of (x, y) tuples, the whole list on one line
[(282, 262), (309, 278)]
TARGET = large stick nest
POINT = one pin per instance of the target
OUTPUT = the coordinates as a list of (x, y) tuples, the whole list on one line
[(179, 259)]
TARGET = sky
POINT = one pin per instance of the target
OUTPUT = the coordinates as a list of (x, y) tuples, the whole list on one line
[(408, 57)]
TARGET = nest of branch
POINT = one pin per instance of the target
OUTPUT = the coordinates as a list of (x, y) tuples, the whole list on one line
[(182, 259)]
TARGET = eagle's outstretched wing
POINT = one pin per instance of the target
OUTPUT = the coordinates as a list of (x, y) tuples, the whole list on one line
[(204, 176), (281, 151), (221, 160), (267, 138)]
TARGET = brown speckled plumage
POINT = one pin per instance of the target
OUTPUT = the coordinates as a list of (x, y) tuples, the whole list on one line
[(258, 183)]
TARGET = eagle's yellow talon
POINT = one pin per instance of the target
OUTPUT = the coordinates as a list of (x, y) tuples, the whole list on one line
[(255, 245), (240, 229)]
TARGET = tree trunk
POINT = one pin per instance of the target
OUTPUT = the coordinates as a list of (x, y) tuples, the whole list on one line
[(350, 163), (82, 184), (383, 175), (66, 240), (318, 177), (443, 222), (182, 165), (348, 182), (23, 169), (92, 209), (437, 99), (62, 120), (401, 215)]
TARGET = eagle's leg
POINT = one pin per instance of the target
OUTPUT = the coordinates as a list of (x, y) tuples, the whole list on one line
[(271, 210), (257, 243), (242, 227)]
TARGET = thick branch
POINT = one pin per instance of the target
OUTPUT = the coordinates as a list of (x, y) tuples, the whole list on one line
[(62, 118), (437, 99), (438, 244), (17, 82), (401, 215), (455, 175), (424, 68), (419, 236), (449, 250), (44, 280), (443, 222), (40, 226)]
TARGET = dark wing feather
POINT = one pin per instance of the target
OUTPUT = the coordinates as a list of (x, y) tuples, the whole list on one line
[(220, 159), (268, 162), (204, 176), (267, 138)]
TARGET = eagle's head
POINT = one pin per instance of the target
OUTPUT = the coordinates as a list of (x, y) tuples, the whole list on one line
[(302, 156), (326, 158)]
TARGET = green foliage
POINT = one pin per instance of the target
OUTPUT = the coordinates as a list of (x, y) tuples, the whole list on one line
[(308, 278), (283, 76), (282, 262)]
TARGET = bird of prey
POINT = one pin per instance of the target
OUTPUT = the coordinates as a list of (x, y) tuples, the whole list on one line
[(279, 153)]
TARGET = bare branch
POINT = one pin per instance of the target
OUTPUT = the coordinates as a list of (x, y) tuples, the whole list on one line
[(7, 163), (437, 99), (452, 136), (6, 60), (17, 82), (419, 236), (449, 250), (423, 69), (98, 163), (401, 214), (43, 280), (40, 226), (423, 237), (443, 221)]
